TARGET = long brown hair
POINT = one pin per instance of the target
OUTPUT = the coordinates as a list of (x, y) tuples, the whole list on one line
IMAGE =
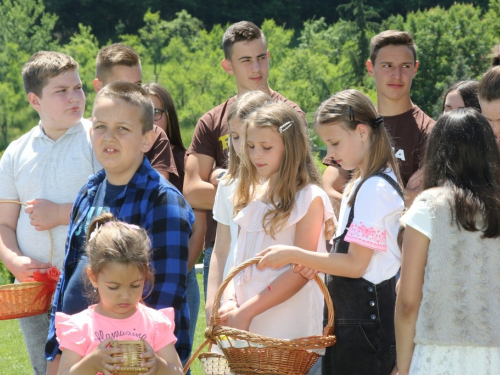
[(349, 108), (297, 167), (462, 154)]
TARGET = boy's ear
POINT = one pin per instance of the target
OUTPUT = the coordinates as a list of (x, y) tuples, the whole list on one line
[(92, 278), (34, 101), (148, 141), (415, 69), (98, 84), (227, 66), (369, 67)]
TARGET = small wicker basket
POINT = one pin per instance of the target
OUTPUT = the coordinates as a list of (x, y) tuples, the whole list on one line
[(248, 353), (27, 298), (213, 363), (132, 351)]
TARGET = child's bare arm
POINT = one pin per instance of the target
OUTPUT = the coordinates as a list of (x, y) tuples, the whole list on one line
[(100, 360), (307, 235), (45, 214), (21, 266)]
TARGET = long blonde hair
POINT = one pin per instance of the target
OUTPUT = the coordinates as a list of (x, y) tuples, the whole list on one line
[(297, 167), (240, 109), (349, 108)]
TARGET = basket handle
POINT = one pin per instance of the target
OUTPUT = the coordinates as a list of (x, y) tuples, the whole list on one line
[(215, 320), (50, 234), (195, 355)]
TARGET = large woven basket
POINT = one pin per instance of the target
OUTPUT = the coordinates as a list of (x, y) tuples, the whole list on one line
[(132, 349), (248, 353), (26, 298)]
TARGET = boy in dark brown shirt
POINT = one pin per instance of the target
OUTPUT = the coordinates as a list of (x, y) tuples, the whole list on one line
[(247, 59), (118, 62), (393, 64)]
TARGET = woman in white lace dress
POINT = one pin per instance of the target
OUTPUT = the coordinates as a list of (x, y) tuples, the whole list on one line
[(449, 293)]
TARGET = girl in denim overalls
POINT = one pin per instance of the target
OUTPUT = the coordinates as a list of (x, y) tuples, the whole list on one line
[(362, 266)]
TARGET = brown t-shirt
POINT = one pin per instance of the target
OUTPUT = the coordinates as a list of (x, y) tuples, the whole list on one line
[(211, 138), (408, 132), (160, 154)]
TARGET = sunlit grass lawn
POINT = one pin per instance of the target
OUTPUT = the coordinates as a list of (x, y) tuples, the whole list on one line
[(14, 358)]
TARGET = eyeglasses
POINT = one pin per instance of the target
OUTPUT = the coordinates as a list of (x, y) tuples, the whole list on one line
[(158, 114)]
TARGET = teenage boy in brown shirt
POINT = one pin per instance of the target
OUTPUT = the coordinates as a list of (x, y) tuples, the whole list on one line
[(393, 64)]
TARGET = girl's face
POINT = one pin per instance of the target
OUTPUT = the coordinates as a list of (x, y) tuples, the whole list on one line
[(349, 148), (235, 131), (265, 150), (453, 101), (120, 288), (158, 105)]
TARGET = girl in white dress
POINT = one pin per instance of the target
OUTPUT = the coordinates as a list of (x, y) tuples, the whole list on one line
[(227, 230), (362, 266), (278, 201), (449, 293)]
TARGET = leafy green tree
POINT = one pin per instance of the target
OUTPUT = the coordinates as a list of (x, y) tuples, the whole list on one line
[(26, 28), (360, 13), (83, 47)]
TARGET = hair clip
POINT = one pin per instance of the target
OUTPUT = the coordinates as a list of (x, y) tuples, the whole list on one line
[(285, 126), (95, 231), (378, 121), (351, 114)]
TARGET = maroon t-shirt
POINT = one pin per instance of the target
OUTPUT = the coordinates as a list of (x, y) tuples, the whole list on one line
[(211, 138), (160, 154), (408, 132)]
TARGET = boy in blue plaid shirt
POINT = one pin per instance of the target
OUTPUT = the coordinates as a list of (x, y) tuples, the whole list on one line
[(133, 192)]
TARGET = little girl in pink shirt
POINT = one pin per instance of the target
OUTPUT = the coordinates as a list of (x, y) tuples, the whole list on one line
[(118, 271)]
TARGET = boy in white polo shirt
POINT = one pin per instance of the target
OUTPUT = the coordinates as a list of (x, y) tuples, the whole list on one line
[(45, 168)]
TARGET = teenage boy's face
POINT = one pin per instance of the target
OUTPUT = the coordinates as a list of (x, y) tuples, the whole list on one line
[(62, 103), (394, 69), (491, 110), (249, 64), (117, 138)]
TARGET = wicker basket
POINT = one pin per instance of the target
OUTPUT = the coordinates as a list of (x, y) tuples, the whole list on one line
[(132, 351), (248, 353), (27, 298), (213, 363)]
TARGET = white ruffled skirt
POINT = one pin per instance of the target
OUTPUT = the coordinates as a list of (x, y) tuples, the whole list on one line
[(453, 360)]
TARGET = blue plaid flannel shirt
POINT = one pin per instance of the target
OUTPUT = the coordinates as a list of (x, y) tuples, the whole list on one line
[(153, 203)]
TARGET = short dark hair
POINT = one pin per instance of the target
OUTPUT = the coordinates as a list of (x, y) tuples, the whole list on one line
[(112, 55), (462, 154), (495, 58), (243, 31), (468, 92), (489, 86), (134, 95), (392, 38), (42, 66), (173, 129)]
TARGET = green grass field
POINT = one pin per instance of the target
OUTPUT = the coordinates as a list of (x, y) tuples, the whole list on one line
[(14, 358)]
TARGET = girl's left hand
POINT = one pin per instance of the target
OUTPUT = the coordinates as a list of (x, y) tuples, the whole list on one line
[(149, 360), (305, 272)]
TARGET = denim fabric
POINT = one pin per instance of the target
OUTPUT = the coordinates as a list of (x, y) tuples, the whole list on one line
[(207, 255), (364, 322), (193, 299)]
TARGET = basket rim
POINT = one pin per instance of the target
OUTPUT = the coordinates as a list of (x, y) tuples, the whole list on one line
[(215, 319)]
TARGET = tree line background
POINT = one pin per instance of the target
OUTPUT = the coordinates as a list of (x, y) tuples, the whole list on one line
[(317, 47)]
